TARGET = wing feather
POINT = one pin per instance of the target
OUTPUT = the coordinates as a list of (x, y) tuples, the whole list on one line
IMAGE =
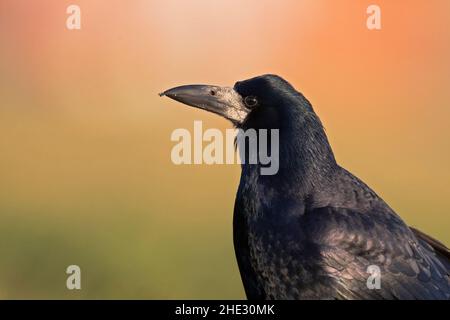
[(410, 269)]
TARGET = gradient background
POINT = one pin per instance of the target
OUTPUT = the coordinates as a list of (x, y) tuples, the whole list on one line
[(85, 170)]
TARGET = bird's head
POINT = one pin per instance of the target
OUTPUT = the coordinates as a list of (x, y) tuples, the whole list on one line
[(259, 102), (268, 102)]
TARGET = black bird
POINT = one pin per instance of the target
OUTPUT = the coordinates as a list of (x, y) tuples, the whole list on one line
[(313, 230)]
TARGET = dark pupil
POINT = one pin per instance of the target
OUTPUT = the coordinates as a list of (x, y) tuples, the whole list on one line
[(250, 101)]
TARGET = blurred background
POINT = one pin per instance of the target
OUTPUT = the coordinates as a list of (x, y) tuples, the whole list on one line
[(85, 170)]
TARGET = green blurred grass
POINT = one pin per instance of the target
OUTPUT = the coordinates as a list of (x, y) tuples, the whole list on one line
[(123, 252), (108, 198)]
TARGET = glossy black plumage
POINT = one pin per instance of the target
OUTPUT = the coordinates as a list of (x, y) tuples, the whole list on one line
[(312, 230)]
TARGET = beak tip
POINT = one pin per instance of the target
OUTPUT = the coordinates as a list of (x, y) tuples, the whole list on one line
[(171, 93)]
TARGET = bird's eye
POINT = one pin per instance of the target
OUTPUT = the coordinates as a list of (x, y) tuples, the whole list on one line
[(251, 101)]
